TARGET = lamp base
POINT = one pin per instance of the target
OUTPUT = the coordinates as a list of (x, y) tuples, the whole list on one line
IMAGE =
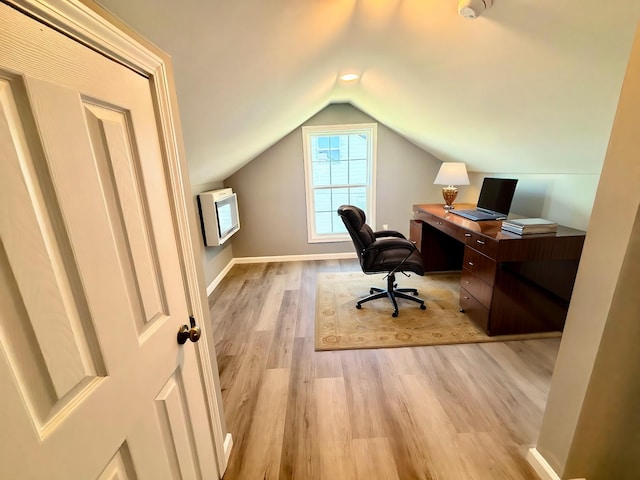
[(449, 194)]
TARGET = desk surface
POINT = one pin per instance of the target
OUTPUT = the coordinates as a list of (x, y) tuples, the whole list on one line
[(490, 228)]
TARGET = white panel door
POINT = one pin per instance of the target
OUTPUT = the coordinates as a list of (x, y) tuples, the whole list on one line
[(94, 384)]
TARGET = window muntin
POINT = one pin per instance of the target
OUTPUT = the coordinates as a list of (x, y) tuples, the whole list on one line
[(340, 169)]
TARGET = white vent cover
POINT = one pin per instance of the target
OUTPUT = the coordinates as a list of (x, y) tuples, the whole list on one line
[(473, 8)]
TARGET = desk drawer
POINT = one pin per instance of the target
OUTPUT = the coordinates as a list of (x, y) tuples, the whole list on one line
[(474, 309), (478, 264), (483, 244), (446, 227), (480, 290)]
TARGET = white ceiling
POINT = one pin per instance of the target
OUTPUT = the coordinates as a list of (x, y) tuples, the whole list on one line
[(531, 86)]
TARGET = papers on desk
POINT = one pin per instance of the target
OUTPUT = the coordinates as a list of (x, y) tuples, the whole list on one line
[(528, 226)]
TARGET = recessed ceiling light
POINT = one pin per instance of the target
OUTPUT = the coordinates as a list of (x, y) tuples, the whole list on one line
[(348, 77)]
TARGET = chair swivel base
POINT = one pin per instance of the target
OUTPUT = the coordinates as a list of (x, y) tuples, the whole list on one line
[(392, 293)]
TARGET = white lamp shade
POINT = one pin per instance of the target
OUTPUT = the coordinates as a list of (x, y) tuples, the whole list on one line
[(452, 173)]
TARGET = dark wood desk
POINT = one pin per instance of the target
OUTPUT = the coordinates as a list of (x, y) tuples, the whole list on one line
[(510, 283)]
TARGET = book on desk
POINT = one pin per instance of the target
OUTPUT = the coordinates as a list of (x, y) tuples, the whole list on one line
[(529, 226)]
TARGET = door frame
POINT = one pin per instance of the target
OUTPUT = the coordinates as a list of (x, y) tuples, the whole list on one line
[(88, 23)]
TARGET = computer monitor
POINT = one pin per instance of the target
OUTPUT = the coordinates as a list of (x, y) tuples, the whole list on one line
[(497, 194)]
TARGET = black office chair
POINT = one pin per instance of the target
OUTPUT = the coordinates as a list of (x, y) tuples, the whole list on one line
[(383, 251)]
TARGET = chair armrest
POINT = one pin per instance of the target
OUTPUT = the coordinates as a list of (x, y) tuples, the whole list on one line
[(378, 247), (387, 243), (388, 233)]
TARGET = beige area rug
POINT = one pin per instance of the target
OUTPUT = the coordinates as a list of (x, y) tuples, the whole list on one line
[(340, 325)]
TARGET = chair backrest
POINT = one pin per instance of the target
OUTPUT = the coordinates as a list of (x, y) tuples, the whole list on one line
[(354, 219)]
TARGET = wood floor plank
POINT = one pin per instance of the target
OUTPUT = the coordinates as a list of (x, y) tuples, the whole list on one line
[(365, 395), (293, 272), (328, 364), (334, 431), (239, 392), (300, 457), (262, 448), (433, 431), (283, 334), (373, 458), (452, 390), (454, 412), (268, 316), (307, 300)]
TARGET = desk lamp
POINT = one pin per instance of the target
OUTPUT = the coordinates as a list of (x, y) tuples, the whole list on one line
[(450, 174)]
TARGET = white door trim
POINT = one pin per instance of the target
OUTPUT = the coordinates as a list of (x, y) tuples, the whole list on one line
[(541, 466), (82, 22)]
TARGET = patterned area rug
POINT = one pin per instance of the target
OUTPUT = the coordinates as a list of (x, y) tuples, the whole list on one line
[(340, 325)]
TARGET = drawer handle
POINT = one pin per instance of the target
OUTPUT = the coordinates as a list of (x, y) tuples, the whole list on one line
[(467, 282), (480, 242), (467, 234), (439, 223), (470, 263), (466, 298)]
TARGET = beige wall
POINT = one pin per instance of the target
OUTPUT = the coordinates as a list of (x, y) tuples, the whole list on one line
[(271, 192), (271, 195), (592, 422), (563, 198)]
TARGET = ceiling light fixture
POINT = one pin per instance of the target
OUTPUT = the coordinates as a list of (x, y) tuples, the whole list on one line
[(349, 77), (473, 8)]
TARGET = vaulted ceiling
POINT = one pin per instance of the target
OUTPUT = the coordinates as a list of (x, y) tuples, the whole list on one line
[(530, 86)]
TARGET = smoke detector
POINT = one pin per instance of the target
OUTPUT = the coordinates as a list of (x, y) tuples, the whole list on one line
[(473, 8)]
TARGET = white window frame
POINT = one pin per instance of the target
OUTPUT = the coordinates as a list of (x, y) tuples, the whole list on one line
[(371, 129)]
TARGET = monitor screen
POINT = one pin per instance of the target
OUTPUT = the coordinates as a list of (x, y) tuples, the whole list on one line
[(496, 194)]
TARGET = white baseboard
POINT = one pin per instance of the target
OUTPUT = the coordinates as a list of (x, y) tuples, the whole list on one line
[(541, 466), (228, 445), (281, 258), (212, 286), (296, 258)]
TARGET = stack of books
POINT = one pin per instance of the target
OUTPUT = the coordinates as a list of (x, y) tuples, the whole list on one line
[(527, 226)]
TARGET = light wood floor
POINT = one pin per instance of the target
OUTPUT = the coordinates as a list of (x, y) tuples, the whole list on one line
[(467, 412)]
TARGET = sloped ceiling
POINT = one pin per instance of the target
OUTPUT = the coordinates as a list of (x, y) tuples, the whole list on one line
[(531, 86)]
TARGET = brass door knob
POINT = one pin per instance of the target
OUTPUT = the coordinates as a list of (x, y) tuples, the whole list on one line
[(187, 332)]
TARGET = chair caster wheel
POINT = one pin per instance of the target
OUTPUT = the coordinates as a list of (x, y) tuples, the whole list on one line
[(423, 307), (394, 314), (415, 294), (371, 292), (358, 307)]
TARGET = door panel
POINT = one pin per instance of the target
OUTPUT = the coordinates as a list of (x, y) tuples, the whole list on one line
[(120, 467), (91, 289), (45, 316), (111, 139)]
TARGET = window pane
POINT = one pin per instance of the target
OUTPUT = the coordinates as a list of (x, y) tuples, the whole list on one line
[(324, 222), (323, 155), (339, 173), (358, 197), (340, 196), (338, 224), (322, 142), (322, 200), (321, 173), (357, 147), (358, 171)]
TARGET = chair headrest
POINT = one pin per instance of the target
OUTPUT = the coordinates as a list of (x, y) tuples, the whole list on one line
[(354, 215)]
